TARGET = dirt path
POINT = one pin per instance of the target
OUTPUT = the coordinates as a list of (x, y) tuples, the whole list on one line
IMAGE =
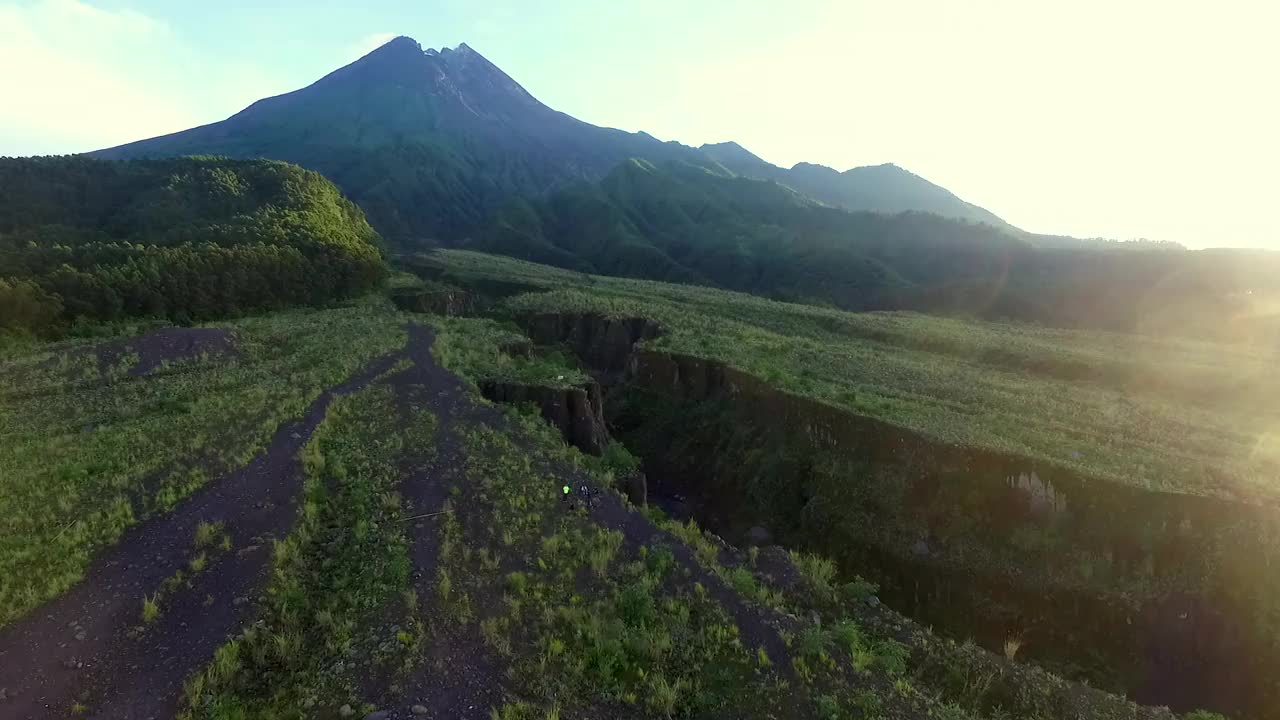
[(461, 677), (83, 646)]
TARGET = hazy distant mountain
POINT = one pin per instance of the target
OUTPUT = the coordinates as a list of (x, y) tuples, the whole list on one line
[(431, 143), (877, 188)]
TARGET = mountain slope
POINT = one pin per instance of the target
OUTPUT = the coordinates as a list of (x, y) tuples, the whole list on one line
[(686, 223), (877, 188), (428, 142)]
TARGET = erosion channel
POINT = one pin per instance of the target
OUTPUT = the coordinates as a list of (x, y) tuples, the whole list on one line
[(1171, 607)]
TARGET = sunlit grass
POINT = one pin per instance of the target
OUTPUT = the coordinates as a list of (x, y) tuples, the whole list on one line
[(474, 348), (1160, 412)]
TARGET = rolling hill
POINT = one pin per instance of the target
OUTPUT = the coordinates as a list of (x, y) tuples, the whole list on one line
[(186, 239)]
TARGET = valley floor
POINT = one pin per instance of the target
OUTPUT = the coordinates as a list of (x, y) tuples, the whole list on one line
[(398, 547)]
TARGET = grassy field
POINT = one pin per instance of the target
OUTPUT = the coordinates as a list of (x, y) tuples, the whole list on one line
[(475, 348), (593, 626), (1166, 413), (341, 601), (87, 451), (578, 618)]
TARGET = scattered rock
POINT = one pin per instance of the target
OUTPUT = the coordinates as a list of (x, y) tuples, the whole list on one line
[(577, 412), (419, 710), (4, 695), (635, 485), (346, 711), (80, 636), (308, 703), (239, 601)]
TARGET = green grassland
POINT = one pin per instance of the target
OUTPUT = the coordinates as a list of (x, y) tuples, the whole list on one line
[(86, 452), (579, 620), (592, 626), (341, 598), (474, 348), (1161, 412)]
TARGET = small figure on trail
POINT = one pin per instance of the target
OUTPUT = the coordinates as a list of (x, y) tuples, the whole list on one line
[(585, 494)]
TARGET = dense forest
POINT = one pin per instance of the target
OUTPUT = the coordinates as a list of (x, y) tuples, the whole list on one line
[(186, 239)]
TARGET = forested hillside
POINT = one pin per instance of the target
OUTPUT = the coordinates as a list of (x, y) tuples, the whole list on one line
[(685, 223), (188, 240)]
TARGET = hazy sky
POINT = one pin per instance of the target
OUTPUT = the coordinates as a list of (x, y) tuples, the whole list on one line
[(1116, 118)]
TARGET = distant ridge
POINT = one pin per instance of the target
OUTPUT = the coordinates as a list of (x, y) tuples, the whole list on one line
[(878, 188)]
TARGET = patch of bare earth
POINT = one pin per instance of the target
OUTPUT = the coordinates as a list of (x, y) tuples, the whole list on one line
[(170, 345)]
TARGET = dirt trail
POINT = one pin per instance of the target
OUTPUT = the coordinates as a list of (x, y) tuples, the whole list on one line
[(474, 681), (82, 646)]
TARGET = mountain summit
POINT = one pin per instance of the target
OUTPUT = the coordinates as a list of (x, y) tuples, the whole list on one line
[(431, 143)]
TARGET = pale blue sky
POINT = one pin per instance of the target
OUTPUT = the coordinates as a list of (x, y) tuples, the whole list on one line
[(1120, 118)]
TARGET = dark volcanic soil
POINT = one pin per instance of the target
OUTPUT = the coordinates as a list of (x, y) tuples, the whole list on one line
[(86, 645), (167, 345), (461, 678)]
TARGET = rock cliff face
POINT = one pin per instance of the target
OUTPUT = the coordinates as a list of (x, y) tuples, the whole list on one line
[(450, 303), (1170, 596), (1167, 597), (577, 412), (605, 344)]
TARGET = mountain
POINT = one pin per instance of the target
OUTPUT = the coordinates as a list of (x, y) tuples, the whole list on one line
[(877, 188), (431, 143), (186, 239), (688, 223)]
